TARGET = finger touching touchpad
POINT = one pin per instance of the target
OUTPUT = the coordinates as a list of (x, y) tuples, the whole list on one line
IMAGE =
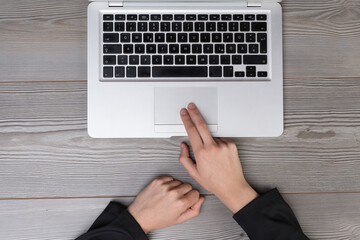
[(169, 101)]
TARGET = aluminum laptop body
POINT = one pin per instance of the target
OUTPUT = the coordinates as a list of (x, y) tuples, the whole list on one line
[(238, 104)]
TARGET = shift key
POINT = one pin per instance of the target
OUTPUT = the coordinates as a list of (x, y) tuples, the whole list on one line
[(255, 59)]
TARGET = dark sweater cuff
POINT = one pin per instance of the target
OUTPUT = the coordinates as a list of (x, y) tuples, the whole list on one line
[(128, 222), (258, 203)]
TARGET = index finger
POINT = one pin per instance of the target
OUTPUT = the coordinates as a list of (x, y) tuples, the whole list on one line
[(191, 130)]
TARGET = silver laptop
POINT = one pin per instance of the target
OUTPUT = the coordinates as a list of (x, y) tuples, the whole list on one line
[(148, 59)]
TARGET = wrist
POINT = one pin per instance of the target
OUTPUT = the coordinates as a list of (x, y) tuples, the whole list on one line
[(137, 216), (238, 197)]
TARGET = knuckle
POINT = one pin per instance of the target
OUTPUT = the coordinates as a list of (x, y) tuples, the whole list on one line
[(183, 202)]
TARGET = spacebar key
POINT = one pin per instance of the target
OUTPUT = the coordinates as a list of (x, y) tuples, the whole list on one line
[(179, 72)]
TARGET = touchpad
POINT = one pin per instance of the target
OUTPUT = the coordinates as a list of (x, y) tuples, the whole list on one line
[(169, 101)]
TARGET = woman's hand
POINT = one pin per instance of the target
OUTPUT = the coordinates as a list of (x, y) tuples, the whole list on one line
[(218, 168), (165, 202)]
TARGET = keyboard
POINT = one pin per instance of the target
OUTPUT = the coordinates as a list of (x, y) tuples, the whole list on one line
[(173, 46)]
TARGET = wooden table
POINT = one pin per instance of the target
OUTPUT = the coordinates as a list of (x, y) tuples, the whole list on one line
[(55, 179)]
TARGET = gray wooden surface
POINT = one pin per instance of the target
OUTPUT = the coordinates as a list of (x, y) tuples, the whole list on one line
[(54, 179)]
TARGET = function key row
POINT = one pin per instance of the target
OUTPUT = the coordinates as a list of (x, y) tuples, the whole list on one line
[(182, 17)]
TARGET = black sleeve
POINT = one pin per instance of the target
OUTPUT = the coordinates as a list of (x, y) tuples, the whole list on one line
[(269, 217), (115, 223)]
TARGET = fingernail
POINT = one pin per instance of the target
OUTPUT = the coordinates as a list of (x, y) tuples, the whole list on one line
[(192, 106), (182, 145), (183, 111)]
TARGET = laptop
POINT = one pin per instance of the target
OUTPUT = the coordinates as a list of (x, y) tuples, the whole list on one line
[(148, 59)]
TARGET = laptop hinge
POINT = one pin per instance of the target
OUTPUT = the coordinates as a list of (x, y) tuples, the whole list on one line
[(116, 4), (254, 3)]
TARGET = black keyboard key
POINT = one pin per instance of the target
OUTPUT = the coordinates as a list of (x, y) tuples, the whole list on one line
[(228, 71), (134, 60), (139, 48), (236, 59), (208, 48), (112, 48), (202, 59), (122, 60), (108, 17), (250, 17), (251, 68), (250, 37), (203, 17), (144, 72), (150, 48), (199, 26), (233, 26), (196, 48), (262, 74), (159, 37), (136, 37), (111, 37), (179, 59), (120, 17), (205, 37), (228, 37), (230, 48), (261, 17), (167, 17), (215, 17), (185, 48), (171, 37), (108, 72), (108, 26), (191, 17), (162, 48), (142, 26), (244, 26), (156, 60), (239, 74), (262, 39), (258, 27), (109, 60), (153, 26), (193, 37), (188, 27), (251, 74), (222, 26), (125, 37), (225, 59), (255, 59), (211, 26), (182, 37), (168, 60), (176, 26), (119, 72), (253, 48), (238, 17), (128, 48), (144, 17), (216, 37), (239, 37), (145, 59), (174, 48), (155, 17), (190, 59), (226, 17), (179, 17), (131, 72), (148, 37), (242, 48), (219, 48), (119, 26), (177, 71), (165, 26), (131, 17), (215, 71), (214, 59)]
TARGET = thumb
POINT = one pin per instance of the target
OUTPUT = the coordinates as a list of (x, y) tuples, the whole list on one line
[(192, 212), (187, 162)]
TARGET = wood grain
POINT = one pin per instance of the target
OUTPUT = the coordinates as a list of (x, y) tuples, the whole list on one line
[(39, 39), (322, 216), (46, 152)]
